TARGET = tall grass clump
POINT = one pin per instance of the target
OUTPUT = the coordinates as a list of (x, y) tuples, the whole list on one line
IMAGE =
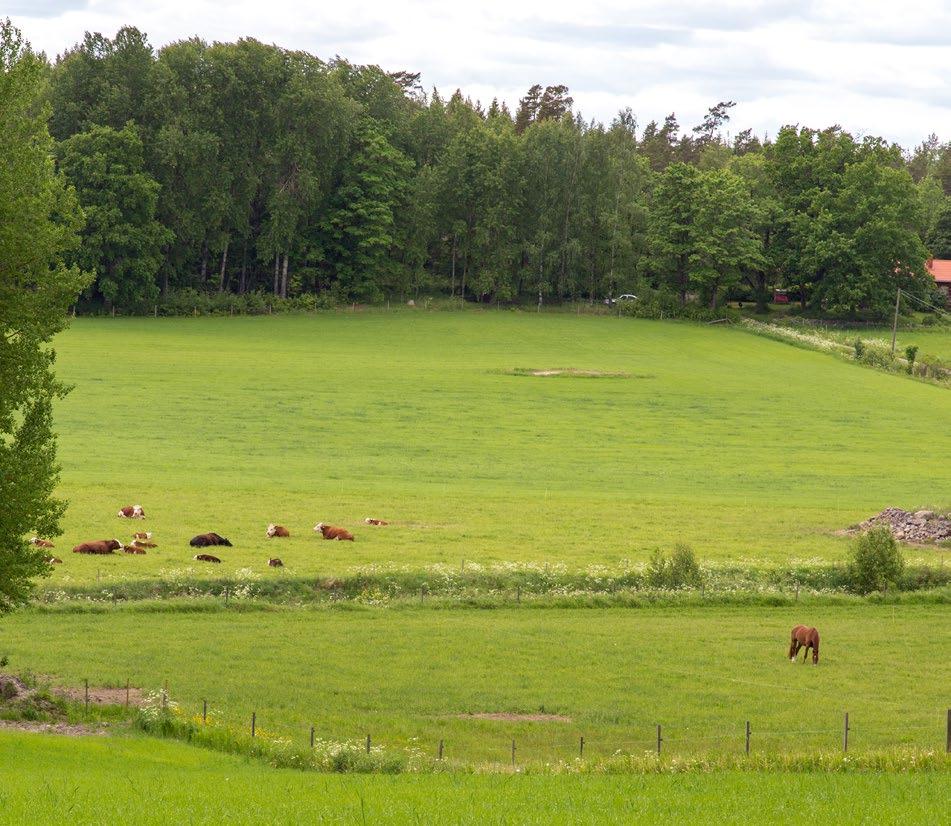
[(161, 717)]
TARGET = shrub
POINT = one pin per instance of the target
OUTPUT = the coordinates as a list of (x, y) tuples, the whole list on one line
[(911, 353), (680, 571), (876, 561), (859, 349)]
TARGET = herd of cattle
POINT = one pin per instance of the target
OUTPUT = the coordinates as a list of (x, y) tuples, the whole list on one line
[(141, 540)]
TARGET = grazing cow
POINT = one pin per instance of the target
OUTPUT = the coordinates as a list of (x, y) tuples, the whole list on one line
[(804, 637), (142, 535), (206, 558), (206, 540), (133, 549), (103, 546), (141, 543), (131, 512), (333, 532), (370, 521), (277, 530), (41, 543), (53, 560), (275, 563)]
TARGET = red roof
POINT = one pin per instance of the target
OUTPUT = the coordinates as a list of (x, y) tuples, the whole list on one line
[(940, 268)]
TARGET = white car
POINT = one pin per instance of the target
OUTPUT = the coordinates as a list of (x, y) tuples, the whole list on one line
[(626, 297)]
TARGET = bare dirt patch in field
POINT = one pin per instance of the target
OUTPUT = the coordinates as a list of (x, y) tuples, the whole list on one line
[(65, 729), (571, 372), (510, 717), (101, 696)]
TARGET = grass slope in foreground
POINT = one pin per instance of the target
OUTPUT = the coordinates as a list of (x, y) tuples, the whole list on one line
[(46, 779), (737, 445), (400, 674)]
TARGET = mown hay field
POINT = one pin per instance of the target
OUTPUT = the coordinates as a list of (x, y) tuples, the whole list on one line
[(738, 446)]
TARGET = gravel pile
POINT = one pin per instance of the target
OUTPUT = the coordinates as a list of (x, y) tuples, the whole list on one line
[(907, 526)]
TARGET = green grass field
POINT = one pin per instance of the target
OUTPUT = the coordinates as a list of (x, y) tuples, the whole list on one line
[(740, 446), (85, 781), (400, 674)]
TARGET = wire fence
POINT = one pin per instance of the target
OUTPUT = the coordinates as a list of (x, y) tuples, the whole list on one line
[(663, 740)]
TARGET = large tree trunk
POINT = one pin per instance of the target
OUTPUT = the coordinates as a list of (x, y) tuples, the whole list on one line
[(761, 297), (244, 268), (452, 282), (284, 278), (224, 266), (204, 262), (682, 279), (277, 273)]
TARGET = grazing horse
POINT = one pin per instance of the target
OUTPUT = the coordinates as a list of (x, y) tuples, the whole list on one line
[(804, 637)]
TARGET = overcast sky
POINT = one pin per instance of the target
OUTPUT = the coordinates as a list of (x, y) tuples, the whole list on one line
[(874, 67)]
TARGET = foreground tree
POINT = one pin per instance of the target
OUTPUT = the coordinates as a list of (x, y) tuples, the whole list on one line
[(39, 222)]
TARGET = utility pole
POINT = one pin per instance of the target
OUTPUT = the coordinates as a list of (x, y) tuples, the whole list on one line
[(895, 321)]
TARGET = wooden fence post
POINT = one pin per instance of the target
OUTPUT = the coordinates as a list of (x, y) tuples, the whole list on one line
[(845, 735), (368, 744), (126, 693), (747, 737), (581, 747), (204, 711), (254, 722), (949, 731), (86, 683), (439, 752), (659, 739), (513, 752), (311, 736)]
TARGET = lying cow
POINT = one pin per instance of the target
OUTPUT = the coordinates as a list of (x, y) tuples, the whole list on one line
[(380, 522), (131, 512), (141, 543), (142, 535), (275, 563), (53, 560), (133, 549), (41, 543), (206, 558), (333, 532), (103, 546), (206, 540), (277, 530)]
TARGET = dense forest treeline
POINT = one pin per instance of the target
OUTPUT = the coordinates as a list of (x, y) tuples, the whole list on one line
[(240, 167)]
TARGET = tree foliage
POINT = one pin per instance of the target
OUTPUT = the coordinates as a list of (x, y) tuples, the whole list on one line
[(39, 221), (274, 170)]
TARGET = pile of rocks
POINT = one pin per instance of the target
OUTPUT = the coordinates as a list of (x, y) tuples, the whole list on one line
[(906, 526)]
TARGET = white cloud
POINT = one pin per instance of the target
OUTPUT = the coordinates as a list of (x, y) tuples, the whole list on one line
[(874, 67)]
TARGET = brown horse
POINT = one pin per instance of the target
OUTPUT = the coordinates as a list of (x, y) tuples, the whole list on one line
[(804, 637)]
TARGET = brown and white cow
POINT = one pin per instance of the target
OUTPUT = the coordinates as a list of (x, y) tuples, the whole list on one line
[(275, 563), (102, 546), (379, 522), (206, 558), (333, 532), (131, 512), (277, 530), (142, 535), (133, 549), (141, 543), (41, 543), (53, 560)]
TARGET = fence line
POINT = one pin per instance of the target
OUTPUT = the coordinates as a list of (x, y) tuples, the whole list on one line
[(745, 736)]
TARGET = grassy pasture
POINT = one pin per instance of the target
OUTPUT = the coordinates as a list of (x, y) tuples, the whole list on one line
[(400, 674), (91, 780), (740, 446)]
